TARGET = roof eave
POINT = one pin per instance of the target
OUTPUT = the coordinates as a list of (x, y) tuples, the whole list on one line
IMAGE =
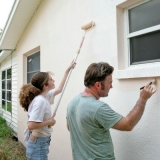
[(20, 15)]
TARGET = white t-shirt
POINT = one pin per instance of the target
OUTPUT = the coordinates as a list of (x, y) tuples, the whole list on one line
[(40, 110)]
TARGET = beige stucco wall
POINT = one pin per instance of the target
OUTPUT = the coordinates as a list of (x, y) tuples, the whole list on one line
[(55, 30)]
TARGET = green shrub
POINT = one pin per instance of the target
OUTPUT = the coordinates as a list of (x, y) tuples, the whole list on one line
[(4, 128)]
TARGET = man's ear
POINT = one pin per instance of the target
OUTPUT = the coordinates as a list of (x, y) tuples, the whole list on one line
[(97, 85)]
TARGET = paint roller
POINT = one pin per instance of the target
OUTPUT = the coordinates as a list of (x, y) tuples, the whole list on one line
[(85, 27)]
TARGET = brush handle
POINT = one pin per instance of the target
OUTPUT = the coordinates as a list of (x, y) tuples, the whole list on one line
[(144, 86), (70, 73), (64, 87)]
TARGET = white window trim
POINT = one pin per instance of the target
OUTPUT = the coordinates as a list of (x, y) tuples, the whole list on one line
[(139, 71), (151, 69)]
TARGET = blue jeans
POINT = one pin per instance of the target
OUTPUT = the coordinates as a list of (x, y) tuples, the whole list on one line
[(38, 149)]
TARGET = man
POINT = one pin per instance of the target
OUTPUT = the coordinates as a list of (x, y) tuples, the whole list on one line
[(89, 119)]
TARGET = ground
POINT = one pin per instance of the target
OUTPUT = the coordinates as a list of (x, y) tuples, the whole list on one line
[(10, 147)]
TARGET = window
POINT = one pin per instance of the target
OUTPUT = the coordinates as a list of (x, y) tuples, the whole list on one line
[(33, 65), (6, 90), (144, 32)]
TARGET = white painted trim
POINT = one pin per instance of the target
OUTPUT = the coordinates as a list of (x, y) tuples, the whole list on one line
[(126, 41), (139, 71), (138, 4), (144, 31)]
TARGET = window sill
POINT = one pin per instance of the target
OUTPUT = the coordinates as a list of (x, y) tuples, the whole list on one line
[(139, 71), (4, 112)]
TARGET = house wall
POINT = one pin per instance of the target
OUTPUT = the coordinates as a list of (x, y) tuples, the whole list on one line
[(55, 31), (11, 118)]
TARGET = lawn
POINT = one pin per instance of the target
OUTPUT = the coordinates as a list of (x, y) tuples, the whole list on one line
[(10, 147)]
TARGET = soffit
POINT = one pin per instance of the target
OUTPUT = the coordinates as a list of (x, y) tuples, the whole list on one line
[(20, 15)]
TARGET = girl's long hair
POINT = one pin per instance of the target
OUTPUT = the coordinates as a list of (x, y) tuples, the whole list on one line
[(29, 91)]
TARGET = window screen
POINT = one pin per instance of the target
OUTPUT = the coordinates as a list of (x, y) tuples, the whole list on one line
[(144, 16), (145, 47), (33, 65)]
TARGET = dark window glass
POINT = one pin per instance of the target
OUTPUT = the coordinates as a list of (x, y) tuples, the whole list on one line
[(144, 16), (3, 94), (9, 73), (6, 90), (9, 107), (33, 62), (3, 75), (33, 65), (9, 84), (145, 47), (9, 95), (29, 77), (3, 104), (3, 84)]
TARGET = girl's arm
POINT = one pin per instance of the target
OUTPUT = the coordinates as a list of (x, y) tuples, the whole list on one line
[(60, 87), (37, 125)]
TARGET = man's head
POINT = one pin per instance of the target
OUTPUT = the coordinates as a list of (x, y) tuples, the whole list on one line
[(99, 75)]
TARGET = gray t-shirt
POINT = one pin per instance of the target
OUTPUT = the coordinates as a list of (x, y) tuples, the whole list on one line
[(89, 122)]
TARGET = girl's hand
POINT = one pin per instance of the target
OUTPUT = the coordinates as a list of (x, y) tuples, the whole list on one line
[(51, 121), (72, 65)]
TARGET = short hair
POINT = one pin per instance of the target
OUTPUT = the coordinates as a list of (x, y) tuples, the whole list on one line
[(97, 72)]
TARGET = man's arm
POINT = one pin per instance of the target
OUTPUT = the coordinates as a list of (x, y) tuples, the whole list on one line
[(67, 125), (127, 123)]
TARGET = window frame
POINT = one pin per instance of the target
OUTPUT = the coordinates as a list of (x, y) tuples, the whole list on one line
[(6, 90), (135, 34), (124, 69)]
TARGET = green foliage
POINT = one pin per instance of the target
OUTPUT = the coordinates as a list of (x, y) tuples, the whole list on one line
[(4, 129), (9, 107)]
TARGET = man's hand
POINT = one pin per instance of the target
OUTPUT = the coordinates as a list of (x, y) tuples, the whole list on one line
[(127, 123), (147, 92)]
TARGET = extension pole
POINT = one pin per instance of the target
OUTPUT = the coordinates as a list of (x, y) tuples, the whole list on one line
[(85, 28), (69, 74)]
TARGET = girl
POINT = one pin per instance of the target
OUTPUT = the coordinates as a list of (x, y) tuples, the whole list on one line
[(36, 98)]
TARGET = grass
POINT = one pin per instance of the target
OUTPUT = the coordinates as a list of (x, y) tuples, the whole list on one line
[(10, 148), (9, 107)]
